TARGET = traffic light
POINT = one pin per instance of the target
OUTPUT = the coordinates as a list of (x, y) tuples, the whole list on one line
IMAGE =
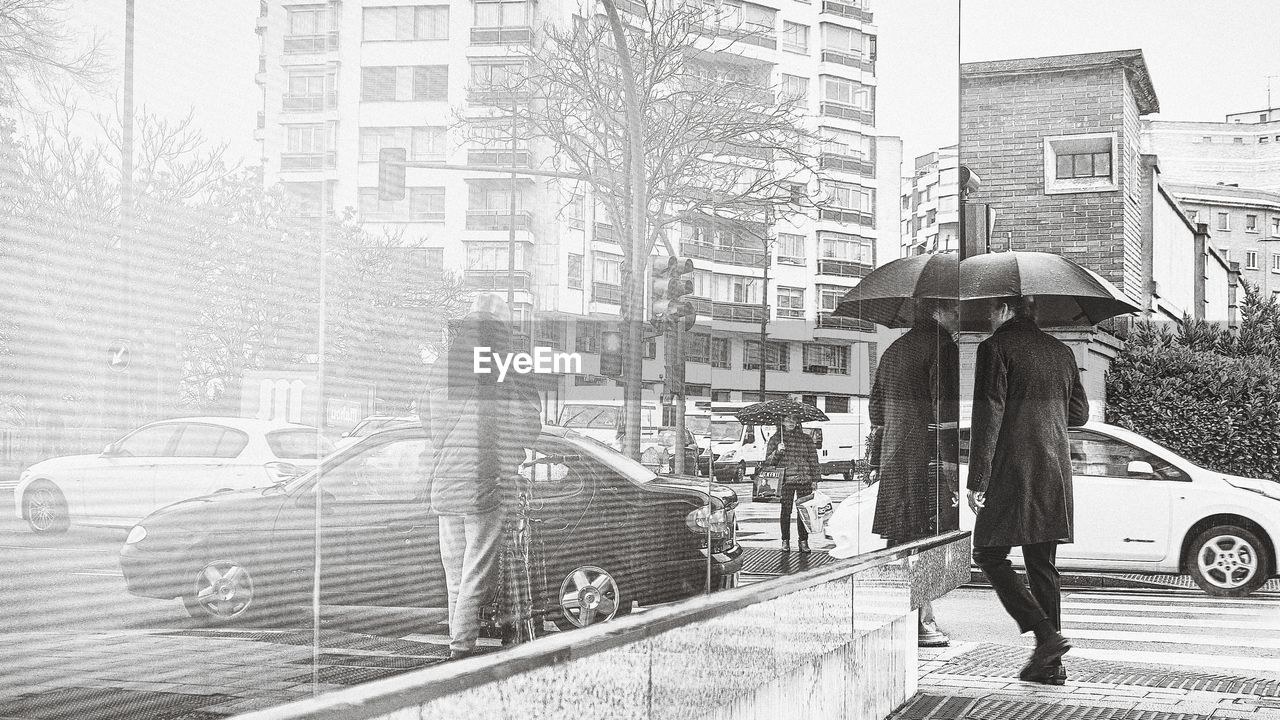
[(391, 173), (670, 282), (611, 354)]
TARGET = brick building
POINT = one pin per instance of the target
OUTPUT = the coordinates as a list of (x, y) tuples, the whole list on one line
[(1057, 143)]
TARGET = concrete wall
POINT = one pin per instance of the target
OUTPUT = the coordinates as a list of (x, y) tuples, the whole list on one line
[(1173, 269), (836, 642)]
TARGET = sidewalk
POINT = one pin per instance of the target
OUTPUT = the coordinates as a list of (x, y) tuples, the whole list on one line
[(980, 681)]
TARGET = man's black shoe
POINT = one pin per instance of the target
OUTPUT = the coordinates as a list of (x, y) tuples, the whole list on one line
[(1049, 653), (804, 546), (1059, 676), (786, 546)]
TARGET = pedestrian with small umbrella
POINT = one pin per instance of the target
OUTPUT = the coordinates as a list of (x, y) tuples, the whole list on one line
[(914, 403), (1027, 392), (791, 450)]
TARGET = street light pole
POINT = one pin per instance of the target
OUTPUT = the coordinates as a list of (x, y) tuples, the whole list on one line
[(511, 210), (764, 298)]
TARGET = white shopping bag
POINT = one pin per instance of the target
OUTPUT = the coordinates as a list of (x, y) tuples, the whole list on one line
[(815, 509)]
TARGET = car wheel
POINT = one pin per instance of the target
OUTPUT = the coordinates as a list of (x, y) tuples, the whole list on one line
[(46, 509), (1228, 560), (588, 595), (740, 475), (222, 592)]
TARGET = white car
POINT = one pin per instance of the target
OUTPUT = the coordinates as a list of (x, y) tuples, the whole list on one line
[(162, 463), (1139, 508)]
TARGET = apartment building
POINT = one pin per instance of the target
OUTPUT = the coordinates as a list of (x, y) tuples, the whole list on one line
[(341, 80), (1245, 225), (931, 204), (1243, 150)]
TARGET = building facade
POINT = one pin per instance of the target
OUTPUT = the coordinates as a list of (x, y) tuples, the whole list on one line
[(342, 80), (1244, 150), (931, 204), (1244, 223)]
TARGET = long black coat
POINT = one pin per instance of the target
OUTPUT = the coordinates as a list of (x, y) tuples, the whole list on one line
[(917, 384), (799, 458), (1026, 393)]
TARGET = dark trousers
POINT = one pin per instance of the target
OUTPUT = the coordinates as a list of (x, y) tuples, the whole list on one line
[(789, 494), (1026, 607)]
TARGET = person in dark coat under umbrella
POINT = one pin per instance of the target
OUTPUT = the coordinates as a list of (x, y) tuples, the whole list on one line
[(792, 450), (1026, 393), (917, 387)]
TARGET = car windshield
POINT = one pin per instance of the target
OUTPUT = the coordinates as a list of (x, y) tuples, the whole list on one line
[(726, 429), (298, 444), (699, 425), (589, 416)]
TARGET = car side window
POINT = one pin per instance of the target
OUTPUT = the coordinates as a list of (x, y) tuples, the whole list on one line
[(148, 442), (390, 472), (1094, 455), (555, 471), (210, 441)]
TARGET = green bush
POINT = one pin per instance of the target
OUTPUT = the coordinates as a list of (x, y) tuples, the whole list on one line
[(1209, 395)]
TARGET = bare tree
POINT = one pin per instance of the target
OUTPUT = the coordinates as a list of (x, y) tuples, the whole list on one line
[(36, 47), (720, 144)]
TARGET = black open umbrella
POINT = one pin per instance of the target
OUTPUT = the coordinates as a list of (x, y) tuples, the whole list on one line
[(1066, 294), (887, 296), (771, 412)]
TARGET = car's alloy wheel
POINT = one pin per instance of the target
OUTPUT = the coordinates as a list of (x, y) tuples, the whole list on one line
[(588, 595), (222, 592), (46, 509), (1229, 561)]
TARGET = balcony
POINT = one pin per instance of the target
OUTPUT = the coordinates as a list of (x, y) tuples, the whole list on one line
[(847, 217), (730, 255), (848, 60), (843, 268), (496, 279), (845, 163), (846, 11), (606, 293), (499, 158), (308, 161), (300, 44), (310, 103), (497, 98), (759, 35), (847, 112), (499, 219), (827, 320), (502, 36), (729, 311)]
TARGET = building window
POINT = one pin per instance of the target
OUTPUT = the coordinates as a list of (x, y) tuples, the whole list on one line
[(650, 348), (426, 204), (575, 271), (1251, 223), (1275, 227), (1275, 262), (492, 81), (720, 353), (431, 83), (1206, 139), (795, 37), (846, 92), (827, 359), (849, 144), (373, 207), (501, 14), (307, 20), (1224, 221), (377, 84), (308, 139), (586, 336), (843, 40), (425, 143), (428, 143), (607, 270), (777, 357), (1263, 139), (1080, 163), (796, 89), (1237, 141), (1251, 260), (423, 22), (841, 246), (790, 302), (697, 347), (791, 248)]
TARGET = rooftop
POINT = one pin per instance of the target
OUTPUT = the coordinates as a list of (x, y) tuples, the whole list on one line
[(1131, 61)]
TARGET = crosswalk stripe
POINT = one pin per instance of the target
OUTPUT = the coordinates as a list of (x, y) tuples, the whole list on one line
[(1246, 625), (1196, 660), (1172, 638), (1209, 609), (1197, 598)]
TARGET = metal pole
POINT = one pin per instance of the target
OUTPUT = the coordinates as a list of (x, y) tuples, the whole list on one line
[(127, 240), (764, 304), (677, 356), (320, 371), (511, 231)]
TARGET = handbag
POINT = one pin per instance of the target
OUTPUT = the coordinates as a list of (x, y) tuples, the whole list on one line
[(767, 483), (815, 509)]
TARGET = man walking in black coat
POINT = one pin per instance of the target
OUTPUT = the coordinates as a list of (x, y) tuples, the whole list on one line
[(1026, 393)]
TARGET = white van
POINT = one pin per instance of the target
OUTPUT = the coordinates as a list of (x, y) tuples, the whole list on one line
[(841, 442), (739, 449), (600, 419)]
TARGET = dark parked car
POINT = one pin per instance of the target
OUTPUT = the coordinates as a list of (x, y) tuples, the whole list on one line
[(612, 532)]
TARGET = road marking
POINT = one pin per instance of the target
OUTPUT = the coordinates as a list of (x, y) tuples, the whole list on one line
[(1248, 625), (1196, 660), (1209, 609), (1172, 638), (1197, 599)]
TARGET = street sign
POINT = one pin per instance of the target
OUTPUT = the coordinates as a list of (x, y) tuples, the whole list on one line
[(118, 356)]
